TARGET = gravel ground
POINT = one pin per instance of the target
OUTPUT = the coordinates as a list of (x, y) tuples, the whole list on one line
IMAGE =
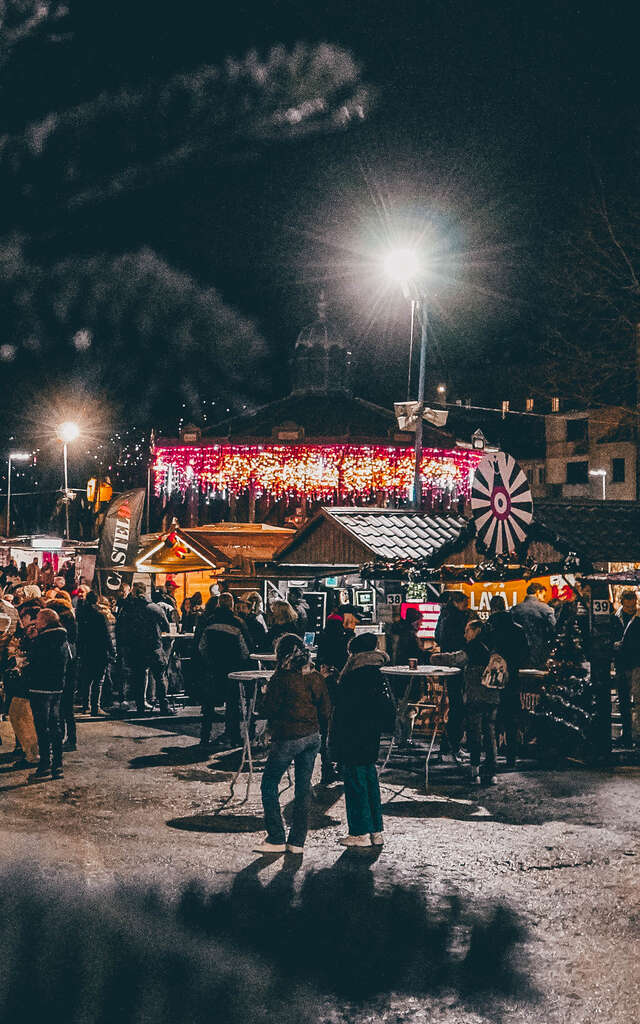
[(557, 852)]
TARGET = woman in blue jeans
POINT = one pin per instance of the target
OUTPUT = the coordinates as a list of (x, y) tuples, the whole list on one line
[(297, 708)]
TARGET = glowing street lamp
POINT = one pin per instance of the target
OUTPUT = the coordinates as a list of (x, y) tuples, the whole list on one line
[(67, 432), (13, 457), (405, 266)]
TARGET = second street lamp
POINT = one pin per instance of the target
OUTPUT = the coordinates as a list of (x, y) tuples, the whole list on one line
[(67, 432), (13, 457)]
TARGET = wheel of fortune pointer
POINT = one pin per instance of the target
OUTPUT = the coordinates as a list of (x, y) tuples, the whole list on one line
[(501, 503)]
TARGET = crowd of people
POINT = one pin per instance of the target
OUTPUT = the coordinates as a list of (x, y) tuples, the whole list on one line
[(65, 649)]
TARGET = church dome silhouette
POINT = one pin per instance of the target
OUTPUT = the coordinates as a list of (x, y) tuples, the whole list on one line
[(322, 358)]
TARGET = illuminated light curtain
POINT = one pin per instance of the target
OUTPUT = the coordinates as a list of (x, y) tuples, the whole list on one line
[(316, 472)]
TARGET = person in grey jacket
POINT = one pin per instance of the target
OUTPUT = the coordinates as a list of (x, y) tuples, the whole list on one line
[(539, 623), (481, 701)]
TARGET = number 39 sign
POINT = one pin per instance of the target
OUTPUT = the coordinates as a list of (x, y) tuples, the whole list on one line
[(501, 503)]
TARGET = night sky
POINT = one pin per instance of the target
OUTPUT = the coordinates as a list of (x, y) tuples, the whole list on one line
[(487, 129)]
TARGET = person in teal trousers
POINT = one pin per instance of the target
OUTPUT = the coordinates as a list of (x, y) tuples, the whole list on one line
[(364, 707)]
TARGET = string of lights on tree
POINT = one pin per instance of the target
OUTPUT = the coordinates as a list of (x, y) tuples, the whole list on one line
[(317, 472)]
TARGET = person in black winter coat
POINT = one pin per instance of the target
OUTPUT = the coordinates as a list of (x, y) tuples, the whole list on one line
[(223, 650), (96, 650), (67, 717), (504, 636), (48, 653), (139, 629), (363, 708), (333, 651), (449, 636), (405, 634), (255, 623)]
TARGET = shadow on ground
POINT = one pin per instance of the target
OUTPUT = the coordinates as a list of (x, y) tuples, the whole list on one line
[(346, 938), (256, 952), (442, 807), (171, 756)]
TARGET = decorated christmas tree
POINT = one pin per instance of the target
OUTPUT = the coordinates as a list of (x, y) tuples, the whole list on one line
[(566, 708)]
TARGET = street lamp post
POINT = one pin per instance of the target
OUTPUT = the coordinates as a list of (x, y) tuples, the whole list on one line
[(13, 457), (404, 266), (602, 473), (417, 479), (67, 432)]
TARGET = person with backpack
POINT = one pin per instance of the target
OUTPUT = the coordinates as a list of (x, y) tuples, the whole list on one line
[(485, 676), (363, 708)]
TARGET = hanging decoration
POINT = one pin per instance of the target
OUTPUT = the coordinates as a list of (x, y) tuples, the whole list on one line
[(501, 504), (318, 472)]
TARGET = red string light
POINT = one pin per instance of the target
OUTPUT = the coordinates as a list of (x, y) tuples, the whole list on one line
[(318, 472)]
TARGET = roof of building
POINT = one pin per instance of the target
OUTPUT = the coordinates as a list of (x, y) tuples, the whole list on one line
[(597, 532), (219, 546), (334, 415), (600, 531), (375, 533)]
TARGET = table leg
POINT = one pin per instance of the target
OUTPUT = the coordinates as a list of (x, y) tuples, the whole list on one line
[(243, 711), (400, 723), (246, 710), (436, 722)]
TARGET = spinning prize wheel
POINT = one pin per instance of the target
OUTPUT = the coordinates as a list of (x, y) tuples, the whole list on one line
[(501, 503)]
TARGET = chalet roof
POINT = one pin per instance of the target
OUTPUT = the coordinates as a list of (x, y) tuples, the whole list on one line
[(379, 533), (600, 531), (334, 415), (597, 532), (220, 546)]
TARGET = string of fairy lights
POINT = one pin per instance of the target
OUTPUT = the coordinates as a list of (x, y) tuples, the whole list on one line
[(318, 472)]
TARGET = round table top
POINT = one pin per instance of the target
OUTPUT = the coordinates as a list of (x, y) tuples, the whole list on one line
[(421, 670), (533, 673), (252, 673), (264, 657), (176, 636)]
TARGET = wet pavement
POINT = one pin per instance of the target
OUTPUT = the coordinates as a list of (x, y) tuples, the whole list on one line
[(541, 872)]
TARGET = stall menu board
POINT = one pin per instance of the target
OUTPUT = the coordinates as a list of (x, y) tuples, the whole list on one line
[(317, 601), (429, 612)]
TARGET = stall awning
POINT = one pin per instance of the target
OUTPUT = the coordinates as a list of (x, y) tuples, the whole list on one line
[(220, 547)]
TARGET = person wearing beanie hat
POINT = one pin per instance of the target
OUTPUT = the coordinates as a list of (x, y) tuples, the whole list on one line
[(297, 707), (364, 707)]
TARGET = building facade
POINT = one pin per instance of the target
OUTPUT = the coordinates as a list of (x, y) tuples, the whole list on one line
[(591, 454)]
